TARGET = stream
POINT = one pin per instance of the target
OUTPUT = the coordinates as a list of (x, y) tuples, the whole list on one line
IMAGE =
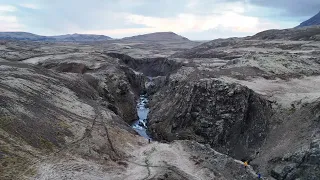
[(140, 125)]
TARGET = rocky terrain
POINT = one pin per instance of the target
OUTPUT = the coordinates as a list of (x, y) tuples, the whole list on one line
[(253, 98), (66, 108), (315, 20)]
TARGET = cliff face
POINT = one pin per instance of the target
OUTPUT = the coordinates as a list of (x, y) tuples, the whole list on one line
[(230, 117)]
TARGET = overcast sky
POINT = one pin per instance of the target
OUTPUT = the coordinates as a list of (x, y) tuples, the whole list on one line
[(195, 19)]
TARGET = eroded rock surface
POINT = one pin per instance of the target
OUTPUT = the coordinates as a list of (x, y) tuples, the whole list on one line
[(230, 117)]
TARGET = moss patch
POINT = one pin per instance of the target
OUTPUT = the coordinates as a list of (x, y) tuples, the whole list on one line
[(5, 122), (46, 144), (63, 125), (13, 167)]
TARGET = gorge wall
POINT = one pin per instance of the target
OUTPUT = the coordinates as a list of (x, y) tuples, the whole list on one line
[(230, 117)]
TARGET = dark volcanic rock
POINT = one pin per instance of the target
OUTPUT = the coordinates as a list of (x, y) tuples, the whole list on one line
[(150, 66), (230, 117), (69, 67), (303, 164)]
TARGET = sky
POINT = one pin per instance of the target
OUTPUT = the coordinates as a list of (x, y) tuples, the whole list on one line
[(194, 19)]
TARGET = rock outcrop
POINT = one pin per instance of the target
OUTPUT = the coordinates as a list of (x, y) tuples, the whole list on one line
[(230, 117), (303, 164), (149, 67)]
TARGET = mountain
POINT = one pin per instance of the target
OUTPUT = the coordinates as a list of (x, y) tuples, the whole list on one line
[(215, 48), (60, 38), (23, 36), (315, 20), (81, 37), (158, 36)]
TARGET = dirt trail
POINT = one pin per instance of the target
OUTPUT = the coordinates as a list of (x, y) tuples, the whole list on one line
[(157, 157), (148, 161)]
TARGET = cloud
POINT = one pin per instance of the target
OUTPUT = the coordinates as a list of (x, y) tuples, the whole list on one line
[(130, 17), (291, 7), (191, 22), (8, 21), (193, 26), (7, 8), (30, 6), (119, 33)]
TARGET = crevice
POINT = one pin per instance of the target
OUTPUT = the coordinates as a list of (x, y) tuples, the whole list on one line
[(149, 66)]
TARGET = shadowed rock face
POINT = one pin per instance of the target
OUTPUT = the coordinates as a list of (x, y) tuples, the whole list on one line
[(230, 117), (303, 164), (149, 67)]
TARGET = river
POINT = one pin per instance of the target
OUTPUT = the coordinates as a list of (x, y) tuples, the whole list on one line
[(140, 125)]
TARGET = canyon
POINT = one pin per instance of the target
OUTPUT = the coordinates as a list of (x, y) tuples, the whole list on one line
[(68, 110)]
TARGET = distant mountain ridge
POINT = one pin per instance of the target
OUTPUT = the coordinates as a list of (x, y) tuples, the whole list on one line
[(315, 20), (158, 36), (82, 37), (63, 38), (23, 36)]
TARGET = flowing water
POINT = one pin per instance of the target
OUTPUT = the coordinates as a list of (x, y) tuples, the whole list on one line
[(140, 125)]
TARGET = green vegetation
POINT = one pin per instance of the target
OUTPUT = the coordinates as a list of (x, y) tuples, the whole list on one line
[(5, 122), (63, 125), (46, 144), (292, 109), (11, 166)]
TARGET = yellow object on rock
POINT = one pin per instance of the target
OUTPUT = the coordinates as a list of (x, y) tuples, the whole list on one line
[(246, 163)]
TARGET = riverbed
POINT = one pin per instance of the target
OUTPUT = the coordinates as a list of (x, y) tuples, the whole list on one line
[(140, 125)]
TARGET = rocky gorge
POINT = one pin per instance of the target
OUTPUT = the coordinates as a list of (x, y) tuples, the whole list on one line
[(66, 108)]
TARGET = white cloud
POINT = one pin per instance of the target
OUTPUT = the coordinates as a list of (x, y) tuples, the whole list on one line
[(119, 33), (7, 8), (192, 3), (30, 6), (196, 23), (9, 22), (118, 18)]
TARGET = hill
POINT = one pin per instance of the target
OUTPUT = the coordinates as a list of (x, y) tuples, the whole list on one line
[(315, 20), (81, 37), (25, 36), (158, 36)]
